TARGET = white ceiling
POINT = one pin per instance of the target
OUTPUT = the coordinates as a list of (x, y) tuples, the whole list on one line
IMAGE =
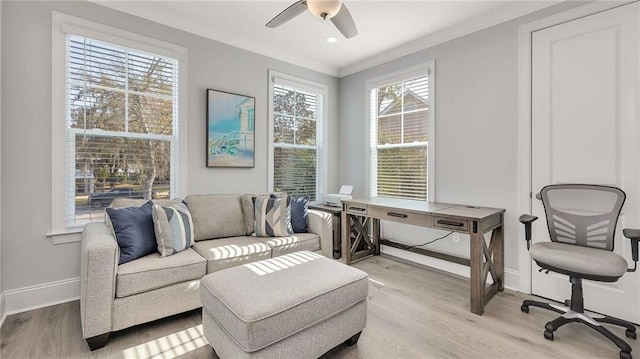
[(387, 29)]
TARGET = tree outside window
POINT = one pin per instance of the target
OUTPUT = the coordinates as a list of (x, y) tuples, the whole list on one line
[(400, 153), (121, 124), (296, 124)]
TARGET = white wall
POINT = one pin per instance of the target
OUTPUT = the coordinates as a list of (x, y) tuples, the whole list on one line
[(2, 311), (476, 104), (32, 265)]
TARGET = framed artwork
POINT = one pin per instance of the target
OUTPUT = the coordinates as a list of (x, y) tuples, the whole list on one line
[(230, 129)]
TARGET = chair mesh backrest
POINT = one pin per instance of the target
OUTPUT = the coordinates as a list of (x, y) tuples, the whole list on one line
[(585, 215)]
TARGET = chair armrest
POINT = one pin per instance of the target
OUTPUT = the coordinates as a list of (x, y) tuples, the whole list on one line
[(527, 219), (321, 223), (98, 266), (634, 236), (631, 233)]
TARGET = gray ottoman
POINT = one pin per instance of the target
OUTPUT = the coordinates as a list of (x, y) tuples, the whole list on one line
[(299, 305)]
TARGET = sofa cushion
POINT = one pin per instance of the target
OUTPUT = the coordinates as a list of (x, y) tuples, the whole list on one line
[(216, 215), (248, 210), (133, 228), (229, 252), (153, 271), (248, 207), (173, 227), (273, 216), (292, 243), (120, 202), (299, 213)]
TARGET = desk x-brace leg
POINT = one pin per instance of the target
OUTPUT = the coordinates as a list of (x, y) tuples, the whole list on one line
[(486, 260), (361, 242)]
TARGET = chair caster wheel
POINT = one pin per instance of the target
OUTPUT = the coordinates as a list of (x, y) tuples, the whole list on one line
[(549, 336), (625, 355), (524, 308), (630, 334)]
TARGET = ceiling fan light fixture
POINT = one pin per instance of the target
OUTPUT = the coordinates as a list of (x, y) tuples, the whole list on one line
[(324, 9)]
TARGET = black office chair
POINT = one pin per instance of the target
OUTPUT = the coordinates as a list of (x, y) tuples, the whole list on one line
[(582, 221)]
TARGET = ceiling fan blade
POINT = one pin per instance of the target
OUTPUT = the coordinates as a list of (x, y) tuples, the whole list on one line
[(344, 22), (289, 13)]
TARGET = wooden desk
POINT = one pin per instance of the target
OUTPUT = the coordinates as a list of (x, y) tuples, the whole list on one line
[(357, 243)]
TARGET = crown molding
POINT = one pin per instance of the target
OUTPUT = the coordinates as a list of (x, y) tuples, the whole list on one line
[(142, 10), (443, 36)]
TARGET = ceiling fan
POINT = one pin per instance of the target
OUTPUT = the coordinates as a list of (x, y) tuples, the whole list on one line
[(324, 9)]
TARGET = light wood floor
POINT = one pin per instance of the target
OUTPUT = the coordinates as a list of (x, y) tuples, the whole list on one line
[(413, 313)]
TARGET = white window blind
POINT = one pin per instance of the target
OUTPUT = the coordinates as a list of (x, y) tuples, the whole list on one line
[(298, 113), (399, 139), (121, 126)]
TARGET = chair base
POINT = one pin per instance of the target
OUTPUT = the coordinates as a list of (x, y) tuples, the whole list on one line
[(592, 320)]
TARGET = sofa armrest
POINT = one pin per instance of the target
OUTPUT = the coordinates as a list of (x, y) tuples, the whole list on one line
[(321, 223), (98, 266)]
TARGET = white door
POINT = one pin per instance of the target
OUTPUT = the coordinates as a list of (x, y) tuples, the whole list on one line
[(585, 77)]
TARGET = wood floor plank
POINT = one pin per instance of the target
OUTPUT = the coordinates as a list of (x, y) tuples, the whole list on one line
[(413, 312)]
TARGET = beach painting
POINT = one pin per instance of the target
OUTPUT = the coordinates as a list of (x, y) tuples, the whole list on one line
[(230, 129)]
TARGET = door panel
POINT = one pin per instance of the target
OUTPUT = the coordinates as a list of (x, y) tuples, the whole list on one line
[(584, 130), (583, 107)]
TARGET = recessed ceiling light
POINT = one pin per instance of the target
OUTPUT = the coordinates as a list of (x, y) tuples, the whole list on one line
[(331, 39)]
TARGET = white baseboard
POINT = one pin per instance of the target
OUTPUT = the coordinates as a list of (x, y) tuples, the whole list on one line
[(3, 313), (511, 277), (42, 295)]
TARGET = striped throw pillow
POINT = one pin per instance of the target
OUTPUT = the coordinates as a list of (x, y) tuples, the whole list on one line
[(273, 217), (173, 226)]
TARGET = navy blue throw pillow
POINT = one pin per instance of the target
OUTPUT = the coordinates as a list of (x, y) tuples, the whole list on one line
[(299, 208), (134, 231)]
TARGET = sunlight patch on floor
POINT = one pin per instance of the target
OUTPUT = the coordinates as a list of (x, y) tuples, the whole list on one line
[(169, 346)]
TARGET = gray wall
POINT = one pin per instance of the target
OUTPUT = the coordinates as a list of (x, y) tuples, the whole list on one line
[(28, 257), (476, 149)]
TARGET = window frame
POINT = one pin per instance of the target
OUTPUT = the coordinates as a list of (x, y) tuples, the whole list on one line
[(424, 69), (321, 147), (62, 25)]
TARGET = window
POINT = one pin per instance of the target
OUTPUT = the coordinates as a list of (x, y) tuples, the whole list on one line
[(119, 133), (297, 109), (401, 135)]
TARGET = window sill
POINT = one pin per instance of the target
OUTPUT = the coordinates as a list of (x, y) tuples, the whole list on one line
[(68, 236)]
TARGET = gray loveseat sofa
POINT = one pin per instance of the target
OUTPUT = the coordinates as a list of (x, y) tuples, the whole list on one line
[(115, 297)]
